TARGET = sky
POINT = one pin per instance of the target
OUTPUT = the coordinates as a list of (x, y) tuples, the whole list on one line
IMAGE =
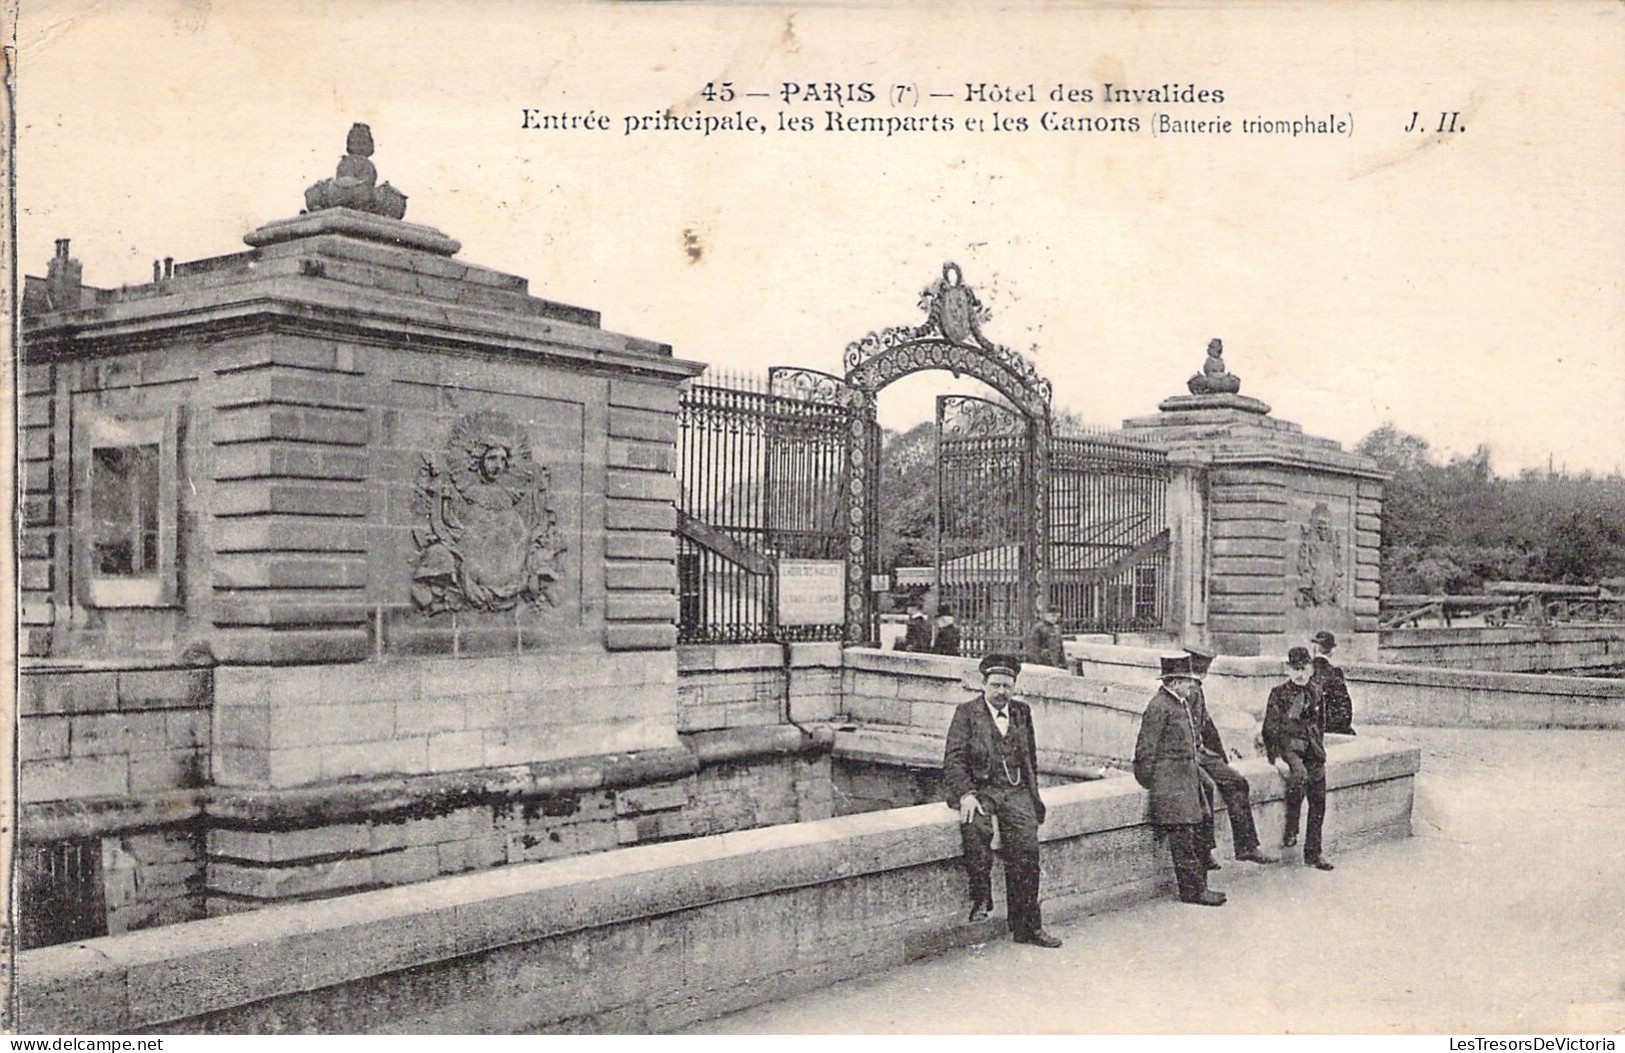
[(1465, 286)]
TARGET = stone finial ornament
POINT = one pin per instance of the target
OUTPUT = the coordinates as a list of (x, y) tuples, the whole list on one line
[(355, 184), (1214, 379)]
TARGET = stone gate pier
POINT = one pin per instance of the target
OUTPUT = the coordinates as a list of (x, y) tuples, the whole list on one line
[(345, 563), (1275, 532)]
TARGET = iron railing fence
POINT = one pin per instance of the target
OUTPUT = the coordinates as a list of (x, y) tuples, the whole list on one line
[(761, 476), (1108, 536)]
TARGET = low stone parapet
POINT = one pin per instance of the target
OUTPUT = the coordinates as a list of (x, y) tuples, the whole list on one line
[(1570, 649), (639, 939), (1407, 694), (1080, 722), (1238, 688)]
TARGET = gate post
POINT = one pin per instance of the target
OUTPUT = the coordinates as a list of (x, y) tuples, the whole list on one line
[(1035, 551), (863, 519), (1187, 512)]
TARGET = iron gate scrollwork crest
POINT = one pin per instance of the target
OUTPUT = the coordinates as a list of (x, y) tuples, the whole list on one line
[(808, 385), (950, 338), (489, 537)]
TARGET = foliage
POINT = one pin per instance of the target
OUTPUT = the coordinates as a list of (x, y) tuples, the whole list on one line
[(908, 497), (1450, 527)]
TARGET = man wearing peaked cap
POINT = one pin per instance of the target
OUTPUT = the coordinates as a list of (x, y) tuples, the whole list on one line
[(1165, 764), (990, 770), (1230, 783)]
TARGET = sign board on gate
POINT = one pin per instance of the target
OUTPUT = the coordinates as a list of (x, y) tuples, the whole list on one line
[(812, 591)]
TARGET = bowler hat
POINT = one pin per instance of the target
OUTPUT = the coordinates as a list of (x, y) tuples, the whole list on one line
[(1325, 639), (1201, 660), (1175, 666), (1000, 663), (1297, 657)]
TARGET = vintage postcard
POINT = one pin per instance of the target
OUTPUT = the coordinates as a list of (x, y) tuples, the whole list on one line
[(607, 517)]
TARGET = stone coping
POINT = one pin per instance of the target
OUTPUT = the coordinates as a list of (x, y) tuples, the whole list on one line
[(147, 978), (1597, 687), (923, 751), (1149, 659), (311, 302)]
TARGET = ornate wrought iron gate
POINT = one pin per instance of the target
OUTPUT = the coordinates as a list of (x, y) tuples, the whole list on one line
[(789, 470), (949, 339), (985, 565)]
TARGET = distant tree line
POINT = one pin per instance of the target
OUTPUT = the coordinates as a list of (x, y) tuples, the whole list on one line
[(1449, 526)]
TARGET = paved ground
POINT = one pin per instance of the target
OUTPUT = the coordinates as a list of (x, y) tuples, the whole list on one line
[(1505, 913)]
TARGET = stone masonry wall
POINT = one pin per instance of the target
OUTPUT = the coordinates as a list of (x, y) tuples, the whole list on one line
[(41, 527), (122, 749), (744, 685), (112, 733), (279, 726), (251, 868)]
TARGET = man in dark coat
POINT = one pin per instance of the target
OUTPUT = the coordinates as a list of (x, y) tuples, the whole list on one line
[(1230, 783), (1165, 764), (947, 641), (990, 771), (1044, 644), (917, 637), (1294, 742), (1327, 682)]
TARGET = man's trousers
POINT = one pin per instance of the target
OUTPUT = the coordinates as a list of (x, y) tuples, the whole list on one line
[(1018, 831), (1189, 870), (1305, 776), (1233, 788)]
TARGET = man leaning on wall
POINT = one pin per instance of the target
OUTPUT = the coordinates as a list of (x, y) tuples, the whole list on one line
[(1165, 764), (990, 773)]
